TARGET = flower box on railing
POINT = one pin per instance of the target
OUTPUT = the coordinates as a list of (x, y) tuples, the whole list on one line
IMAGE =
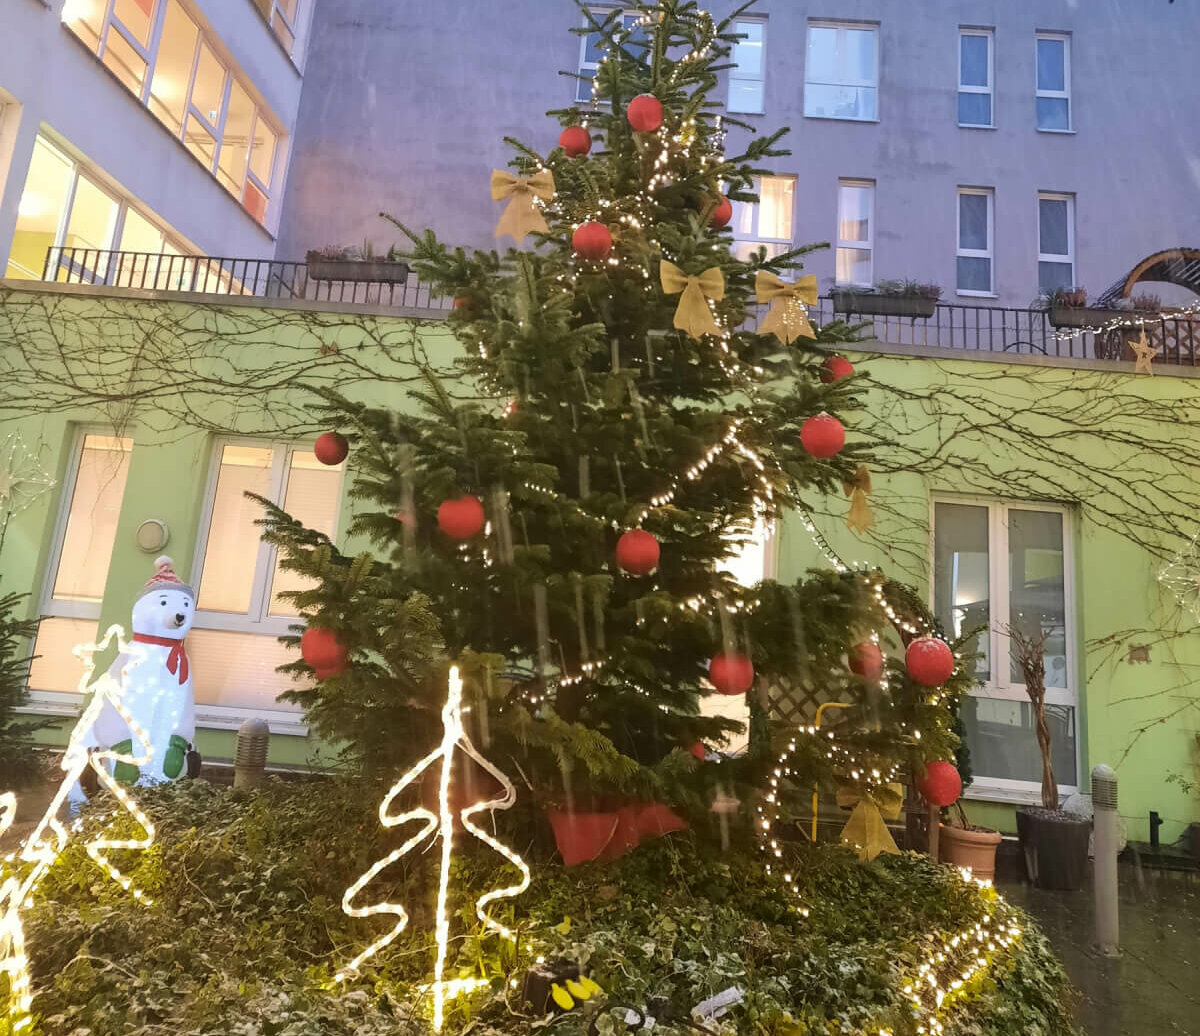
[(1086, 316), (375, 271), (867, 303)]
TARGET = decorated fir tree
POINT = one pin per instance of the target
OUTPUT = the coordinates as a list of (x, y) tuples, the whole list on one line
[(554, 516)]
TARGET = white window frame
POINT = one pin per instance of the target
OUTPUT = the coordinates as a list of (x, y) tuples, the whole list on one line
[(736, 75), (256, 619), (1065, 94), (205, 37), (1000, 684), (1047, 257), (858, 246), (873, 83), (974, 253), (600, 13), (123, 202), (755, 238), (65, 703), (990, 36), (288, 23)]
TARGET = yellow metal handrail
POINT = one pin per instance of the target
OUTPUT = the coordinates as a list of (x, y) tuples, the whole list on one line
[(816, 789)]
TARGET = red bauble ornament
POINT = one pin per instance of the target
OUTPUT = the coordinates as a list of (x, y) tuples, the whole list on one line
[(929, 661), (462, 518), (592, 241), (699, 751), (731, 673), (722, 214), (835, 368), (331, 448), (941, 784), (324, 651), (866, 660), (823, 436), (645, 113), (638, 552), (575, 141)]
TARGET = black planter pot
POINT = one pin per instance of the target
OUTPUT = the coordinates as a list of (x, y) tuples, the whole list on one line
[(1055, 846)]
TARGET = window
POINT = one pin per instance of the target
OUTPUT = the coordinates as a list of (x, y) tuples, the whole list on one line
[(590, 54), (975, 77), (855, 233), (746, 77), (975, 222), (766, 223), (83, 546), (841, 76), (157, 50), (67, 222), (1056, 241), (996, 564), (752, 561), (1053, 82), (283, 21), (238, 581)]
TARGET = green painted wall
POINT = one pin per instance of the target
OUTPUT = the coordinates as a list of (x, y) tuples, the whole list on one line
[(234, 368)]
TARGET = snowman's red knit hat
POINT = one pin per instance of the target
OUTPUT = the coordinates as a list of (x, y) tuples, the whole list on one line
[(164, 578)]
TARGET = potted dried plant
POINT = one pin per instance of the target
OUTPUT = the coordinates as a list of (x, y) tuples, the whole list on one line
[(1054, 842), (338, 263), (889, 298), (1067, 307)]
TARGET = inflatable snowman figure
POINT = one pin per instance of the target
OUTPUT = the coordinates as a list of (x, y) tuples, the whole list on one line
[(157, 685)]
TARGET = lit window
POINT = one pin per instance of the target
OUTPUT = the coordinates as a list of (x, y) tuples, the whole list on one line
[(998, 564), (1056, 241), (841, 75), (766, 223), (82, 550), (283, 21), (67, 224), (238, 611), (975, 222), (975, 77), (747, 75), (590, 54), (157, 50), (855, 232), (1053, 82)]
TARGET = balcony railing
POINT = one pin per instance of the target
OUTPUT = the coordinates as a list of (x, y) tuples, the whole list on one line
[(966, 329), (214, 275)]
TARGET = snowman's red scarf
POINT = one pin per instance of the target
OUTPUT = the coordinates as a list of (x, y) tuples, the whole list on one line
[(177, 660)]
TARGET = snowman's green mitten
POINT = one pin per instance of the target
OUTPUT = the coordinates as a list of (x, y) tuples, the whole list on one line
[(176, 755), (126, 773)]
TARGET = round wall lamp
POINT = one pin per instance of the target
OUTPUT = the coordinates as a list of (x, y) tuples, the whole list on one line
[(152, 535)]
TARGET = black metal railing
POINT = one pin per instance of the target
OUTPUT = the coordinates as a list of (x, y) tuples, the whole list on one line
[(216, 275), (961, 328), (1028, 332)]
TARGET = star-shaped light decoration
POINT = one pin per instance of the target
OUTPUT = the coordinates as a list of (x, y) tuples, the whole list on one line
[(1145, 353), (22, 478), (1182, 576)]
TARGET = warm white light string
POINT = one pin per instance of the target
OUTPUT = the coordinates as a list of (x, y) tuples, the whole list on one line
[(441, 827), (41, 849), (1124, 320)]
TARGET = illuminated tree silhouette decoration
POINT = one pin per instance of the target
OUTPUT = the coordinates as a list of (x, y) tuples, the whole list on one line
[(439, 827)]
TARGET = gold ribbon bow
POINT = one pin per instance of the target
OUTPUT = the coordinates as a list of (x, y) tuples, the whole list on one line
[(866, 830), (522, 216), (692, 315), (860, 518), (787, 318)]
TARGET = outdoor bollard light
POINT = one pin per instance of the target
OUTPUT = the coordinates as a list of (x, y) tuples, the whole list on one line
[(1106, 842), (250, 757)]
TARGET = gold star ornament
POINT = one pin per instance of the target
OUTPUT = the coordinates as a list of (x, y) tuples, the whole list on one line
[(1144, 353)]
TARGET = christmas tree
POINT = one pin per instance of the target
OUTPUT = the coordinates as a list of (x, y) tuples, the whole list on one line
[(631, 401)]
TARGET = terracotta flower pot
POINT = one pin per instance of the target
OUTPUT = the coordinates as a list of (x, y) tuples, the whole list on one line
[(601, 837), (976, 849)]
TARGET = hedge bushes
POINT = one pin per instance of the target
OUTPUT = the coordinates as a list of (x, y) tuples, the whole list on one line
[(246, 930)]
